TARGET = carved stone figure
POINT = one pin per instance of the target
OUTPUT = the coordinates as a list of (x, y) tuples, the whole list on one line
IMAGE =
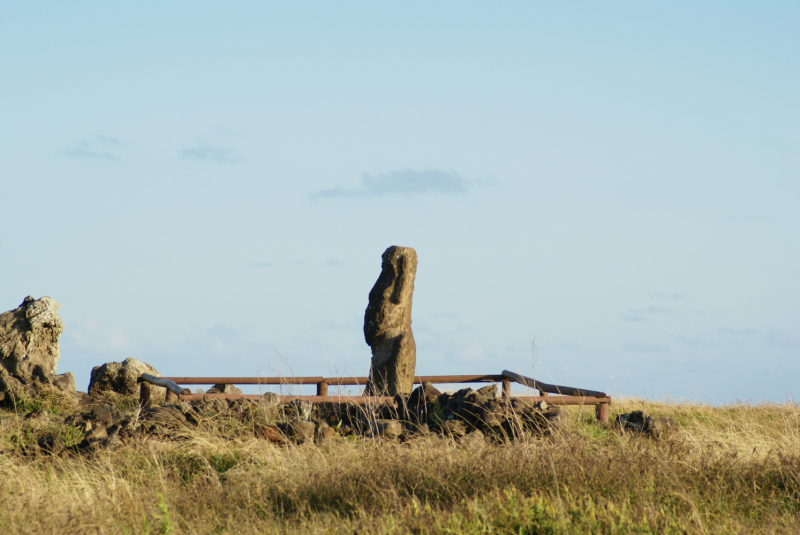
[(387, 324)]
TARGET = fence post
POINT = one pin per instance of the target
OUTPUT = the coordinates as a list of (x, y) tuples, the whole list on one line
[(506, 388), (602, 413), (322, 388), (170, 396), (144, 395)]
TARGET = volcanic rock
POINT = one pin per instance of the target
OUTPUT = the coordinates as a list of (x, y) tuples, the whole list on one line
[(387, 324), (223, 389), (301, 431), (425, 393), (387, 428), (641, 422), (29, 351), (120, 377)]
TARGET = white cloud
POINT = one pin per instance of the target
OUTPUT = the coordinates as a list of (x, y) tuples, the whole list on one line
[(203, 150), (404, 182)]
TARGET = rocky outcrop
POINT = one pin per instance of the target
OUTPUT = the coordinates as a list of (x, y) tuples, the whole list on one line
[(120, 377), (29, 351), (387, 324)]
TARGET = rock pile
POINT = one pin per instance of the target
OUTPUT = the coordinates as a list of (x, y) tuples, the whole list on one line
[(470, 417), (29, 351)]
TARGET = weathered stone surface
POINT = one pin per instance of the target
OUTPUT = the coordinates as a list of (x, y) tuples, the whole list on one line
[(270, 433), (169, 416), (641, 422), (29, 351), (105, 414), (120, 377), (223, 389), (301, 431), (299, 408), (51, 443), (387, 428), (325, 432), (387, 324), (455, 428), (424, 393)]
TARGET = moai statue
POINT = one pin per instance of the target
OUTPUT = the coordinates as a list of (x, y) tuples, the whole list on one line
[(387, 324)]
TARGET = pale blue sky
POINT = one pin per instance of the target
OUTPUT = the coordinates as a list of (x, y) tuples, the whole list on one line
[(209, 187)]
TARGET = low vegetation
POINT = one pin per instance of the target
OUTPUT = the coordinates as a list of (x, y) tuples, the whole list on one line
[(729, 469)]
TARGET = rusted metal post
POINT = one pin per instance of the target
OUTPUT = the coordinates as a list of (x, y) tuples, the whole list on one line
[(602, 413), (144, 395), (170, 396), (322, 388), (506, 388)]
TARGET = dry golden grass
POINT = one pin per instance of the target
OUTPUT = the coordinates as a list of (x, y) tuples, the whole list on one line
[(730, 469)]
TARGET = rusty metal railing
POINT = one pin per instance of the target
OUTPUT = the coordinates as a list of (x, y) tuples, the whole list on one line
[(564, 395)]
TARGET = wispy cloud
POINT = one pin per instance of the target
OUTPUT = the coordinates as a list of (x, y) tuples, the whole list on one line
[(645, 347), (260, 265), (697, 342), (332, 262), (790, 340), (641, 314), (97, 147), (407, 182), (203, 150)]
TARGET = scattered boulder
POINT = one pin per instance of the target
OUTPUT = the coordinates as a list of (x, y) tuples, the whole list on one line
[(270, 433), (641, 422), (424, 393), (387, 324), (29, 351), (120, 377), (325, 432), (51, 443), (300, 431), (387, 428), (223, 389)]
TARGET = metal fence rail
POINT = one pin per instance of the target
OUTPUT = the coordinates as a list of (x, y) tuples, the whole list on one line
[(564, 395)]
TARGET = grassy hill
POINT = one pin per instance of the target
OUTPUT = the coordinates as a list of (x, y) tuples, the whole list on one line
[(729, 469)]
